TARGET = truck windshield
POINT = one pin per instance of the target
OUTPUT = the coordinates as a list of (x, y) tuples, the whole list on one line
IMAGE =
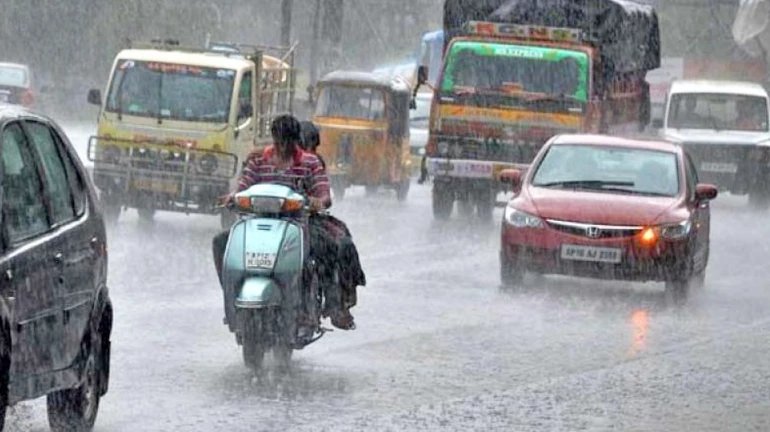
[(351, 102), (171, 91), (718, 111), (516, 69)]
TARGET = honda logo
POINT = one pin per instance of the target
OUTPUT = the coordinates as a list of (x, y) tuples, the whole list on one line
[(593, 231)]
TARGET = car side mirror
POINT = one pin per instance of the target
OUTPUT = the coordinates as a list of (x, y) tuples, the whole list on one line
[(95, 97), (511, 177), (657, 123), (705, 192)]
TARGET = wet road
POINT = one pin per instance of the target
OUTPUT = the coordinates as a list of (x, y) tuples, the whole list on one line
[(438, 346)]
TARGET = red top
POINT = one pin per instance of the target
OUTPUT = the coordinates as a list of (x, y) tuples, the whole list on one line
[(306, 174)]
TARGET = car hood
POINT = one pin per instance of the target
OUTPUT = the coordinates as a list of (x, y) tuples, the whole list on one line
[(598, 208), (711, 136)]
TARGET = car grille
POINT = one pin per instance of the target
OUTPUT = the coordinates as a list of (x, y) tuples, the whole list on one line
[(594, 231)]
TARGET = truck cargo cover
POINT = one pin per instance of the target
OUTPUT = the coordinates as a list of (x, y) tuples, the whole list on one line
[(626, 32)]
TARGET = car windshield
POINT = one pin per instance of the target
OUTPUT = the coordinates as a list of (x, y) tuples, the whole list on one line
[(351, 102), (609, 169), (508, 68), (171, 91), (718, 111), (419, 117), (13, 76)]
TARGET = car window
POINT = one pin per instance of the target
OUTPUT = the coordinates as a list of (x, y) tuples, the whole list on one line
[(59, 193), (244, 94), (77, 184), (24, 213)]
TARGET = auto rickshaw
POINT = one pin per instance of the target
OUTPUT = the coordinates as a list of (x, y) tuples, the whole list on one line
[(363, 119)]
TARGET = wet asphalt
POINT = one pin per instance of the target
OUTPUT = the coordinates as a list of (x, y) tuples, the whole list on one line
[(439, 346)]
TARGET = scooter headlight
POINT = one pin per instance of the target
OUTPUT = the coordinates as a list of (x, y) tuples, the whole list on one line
[(520, 219)]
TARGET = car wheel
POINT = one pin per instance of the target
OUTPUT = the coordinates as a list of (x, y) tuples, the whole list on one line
[(75, 410), (443, 201), (511, 275)]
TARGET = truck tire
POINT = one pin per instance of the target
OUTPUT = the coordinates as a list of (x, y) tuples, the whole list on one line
[(443, 201)]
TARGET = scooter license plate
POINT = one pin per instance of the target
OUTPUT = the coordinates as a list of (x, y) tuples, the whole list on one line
[(260, 260)]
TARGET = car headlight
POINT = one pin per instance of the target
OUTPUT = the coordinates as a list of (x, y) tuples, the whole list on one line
[(443, 148), (676, 231), (520, 219)]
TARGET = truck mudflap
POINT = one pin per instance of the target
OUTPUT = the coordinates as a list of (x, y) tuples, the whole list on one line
[(183, 175), (468, 168)]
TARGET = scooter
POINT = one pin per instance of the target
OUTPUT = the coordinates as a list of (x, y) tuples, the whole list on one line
[(267, 269)]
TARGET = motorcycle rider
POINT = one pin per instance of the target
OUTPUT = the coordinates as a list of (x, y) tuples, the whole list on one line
[(350, 273), (286, 163)]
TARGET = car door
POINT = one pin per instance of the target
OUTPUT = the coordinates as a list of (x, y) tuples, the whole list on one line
[(29, 277), (701, 210), (73, 241)]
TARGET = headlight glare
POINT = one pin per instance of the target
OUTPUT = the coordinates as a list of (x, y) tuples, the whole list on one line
[(676, 231), (520, 219)]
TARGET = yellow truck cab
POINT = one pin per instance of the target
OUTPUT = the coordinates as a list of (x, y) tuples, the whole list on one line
[(176, 123)]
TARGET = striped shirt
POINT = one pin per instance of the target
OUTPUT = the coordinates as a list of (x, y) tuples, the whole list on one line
[(306, 174)]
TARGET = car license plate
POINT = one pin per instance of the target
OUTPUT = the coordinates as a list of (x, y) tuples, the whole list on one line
[(260, 260), (590, 253), (719, 167), (156, 186)]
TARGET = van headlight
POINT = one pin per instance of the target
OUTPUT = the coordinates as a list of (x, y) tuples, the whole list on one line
[(208, 163), (520, 219)]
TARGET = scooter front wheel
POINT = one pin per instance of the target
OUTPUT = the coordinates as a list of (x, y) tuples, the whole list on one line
[(253, 343)]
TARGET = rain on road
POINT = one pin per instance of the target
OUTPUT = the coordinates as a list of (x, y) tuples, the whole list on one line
[(438, 345)]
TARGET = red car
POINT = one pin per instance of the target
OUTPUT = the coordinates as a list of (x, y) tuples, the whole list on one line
[(608, 208), (16, 86)]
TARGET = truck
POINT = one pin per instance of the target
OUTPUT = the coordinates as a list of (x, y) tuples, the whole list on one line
[(176, 123), (516, 72)]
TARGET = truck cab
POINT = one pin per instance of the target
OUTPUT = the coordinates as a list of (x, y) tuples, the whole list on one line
[(725, 128), (175, 123)]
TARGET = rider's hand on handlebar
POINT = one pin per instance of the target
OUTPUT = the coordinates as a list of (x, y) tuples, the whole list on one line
[(316, 205), (226, 200)]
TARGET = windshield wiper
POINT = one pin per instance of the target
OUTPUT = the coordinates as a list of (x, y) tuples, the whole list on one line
[(587, 184)]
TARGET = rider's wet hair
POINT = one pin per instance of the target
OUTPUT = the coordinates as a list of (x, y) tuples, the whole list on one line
[(286, 129), (310, 136)]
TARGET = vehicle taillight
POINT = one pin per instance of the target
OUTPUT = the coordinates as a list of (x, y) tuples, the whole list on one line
[(27, 98)]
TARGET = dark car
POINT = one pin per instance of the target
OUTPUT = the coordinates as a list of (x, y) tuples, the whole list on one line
[(55, 310), (608, 208)]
